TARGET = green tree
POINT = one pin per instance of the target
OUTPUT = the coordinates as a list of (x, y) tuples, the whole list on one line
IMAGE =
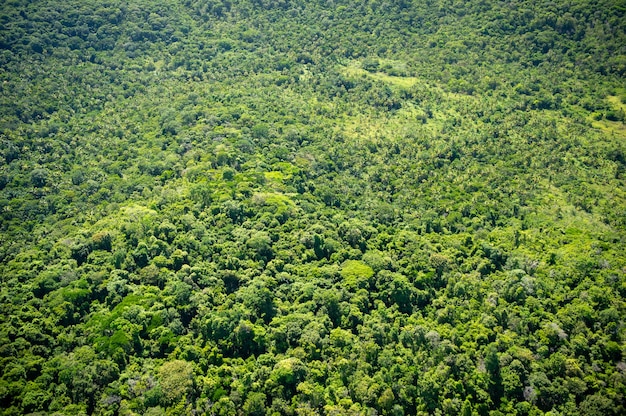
[(176, 379)]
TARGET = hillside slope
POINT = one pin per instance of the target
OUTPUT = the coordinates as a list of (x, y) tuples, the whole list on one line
[(324, 207)]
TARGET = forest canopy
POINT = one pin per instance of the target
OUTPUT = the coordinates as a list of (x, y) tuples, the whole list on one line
[(258, 207)]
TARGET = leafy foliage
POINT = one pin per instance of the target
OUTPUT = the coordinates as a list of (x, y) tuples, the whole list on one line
[(289, 207)]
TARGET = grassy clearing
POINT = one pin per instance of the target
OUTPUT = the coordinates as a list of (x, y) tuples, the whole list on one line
[(614, 128)]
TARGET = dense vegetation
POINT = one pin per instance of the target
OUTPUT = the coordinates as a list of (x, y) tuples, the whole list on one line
[(324, 207)]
